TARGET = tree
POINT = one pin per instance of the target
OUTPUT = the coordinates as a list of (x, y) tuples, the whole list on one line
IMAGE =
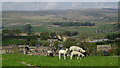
[(91, 48), (28, 28), (45, 43), (44, 36), (69, 43), (67, 33), (11, 32), (74, 23), (16, 31), (113, 36), (117, 27), (32, 42), (53, 34), (56, 44), (74, 33), (5, 32)]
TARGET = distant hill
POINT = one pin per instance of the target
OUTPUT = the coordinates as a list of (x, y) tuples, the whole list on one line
[(35, 17), (110, 8)]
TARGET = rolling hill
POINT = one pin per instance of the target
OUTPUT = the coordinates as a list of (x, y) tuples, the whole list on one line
[(11, 18)]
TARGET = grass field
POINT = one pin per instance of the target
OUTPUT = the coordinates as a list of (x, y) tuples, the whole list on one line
[(36, 60), (12, 41), (17, 41)]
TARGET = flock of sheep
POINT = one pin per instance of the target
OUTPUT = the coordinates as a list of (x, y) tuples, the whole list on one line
[(73, 50)]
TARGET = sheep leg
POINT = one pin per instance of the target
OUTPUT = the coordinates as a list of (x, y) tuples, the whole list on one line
[(78, 57), (82, 55), (71, 57), (64, 56), (59, 56)]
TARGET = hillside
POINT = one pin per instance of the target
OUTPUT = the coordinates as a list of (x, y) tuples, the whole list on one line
[(42, 21), (37, 17)]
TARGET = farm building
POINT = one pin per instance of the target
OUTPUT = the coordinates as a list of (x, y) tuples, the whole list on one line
[(23, 34), (38, 50), (35, 50), (98, 40), (37, 33), (65, 38), (52, 40), (38, 39), (6, 49), (59, 37), (103, 47)]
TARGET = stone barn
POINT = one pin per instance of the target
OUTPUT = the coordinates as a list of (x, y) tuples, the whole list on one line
[(6, 49), (51, 41), (104, 47), (38, 50), (42, 50)]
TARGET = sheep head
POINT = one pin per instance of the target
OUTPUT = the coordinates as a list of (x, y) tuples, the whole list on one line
[(66, 49)]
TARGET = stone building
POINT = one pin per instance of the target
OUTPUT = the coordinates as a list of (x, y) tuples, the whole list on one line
[(104, 47)]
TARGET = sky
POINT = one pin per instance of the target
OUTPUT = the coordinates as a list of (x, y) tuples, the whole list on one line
[(36, 6), (54, 4), (59, 0)]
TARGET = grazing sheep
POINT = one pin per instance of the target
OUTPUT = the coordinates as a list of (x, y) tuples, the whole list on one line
[(64, 52), (50, 53), (76, 53), (27, 49), (76, 48)]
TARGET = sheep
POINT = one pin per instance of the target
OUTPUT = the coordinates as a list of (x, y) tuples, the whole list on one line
[(27, 49), (76, 53), (64, 52), (50, 53), (76, 48)]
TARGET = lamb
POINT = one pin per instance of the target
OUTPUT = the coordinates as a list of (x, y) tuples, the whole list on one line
[(76, 53), (50, 53), (64, 52), (76, 48)]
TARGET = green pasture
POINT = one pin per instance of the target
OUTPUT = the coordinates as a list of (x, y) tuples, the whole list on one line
[(12, 41), (17, 41), (36, 60), (106, 27), (48, 27)]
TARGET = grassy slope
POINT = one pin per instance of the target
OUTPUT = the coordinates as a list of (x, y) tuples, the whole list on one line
[(54, 61), (16, 41), (11, 41), (43, 23), (0, 60)]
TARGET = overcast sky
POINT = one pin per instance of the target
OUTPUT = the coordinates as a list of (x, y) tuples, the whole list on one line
[(36, 6), (50, 5), (59, 0)]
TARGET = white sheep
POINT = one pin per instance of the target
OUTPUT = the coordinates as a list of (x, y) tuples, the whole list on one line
[(76, 53), (64, 52), (49, 53), (76, 48)]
